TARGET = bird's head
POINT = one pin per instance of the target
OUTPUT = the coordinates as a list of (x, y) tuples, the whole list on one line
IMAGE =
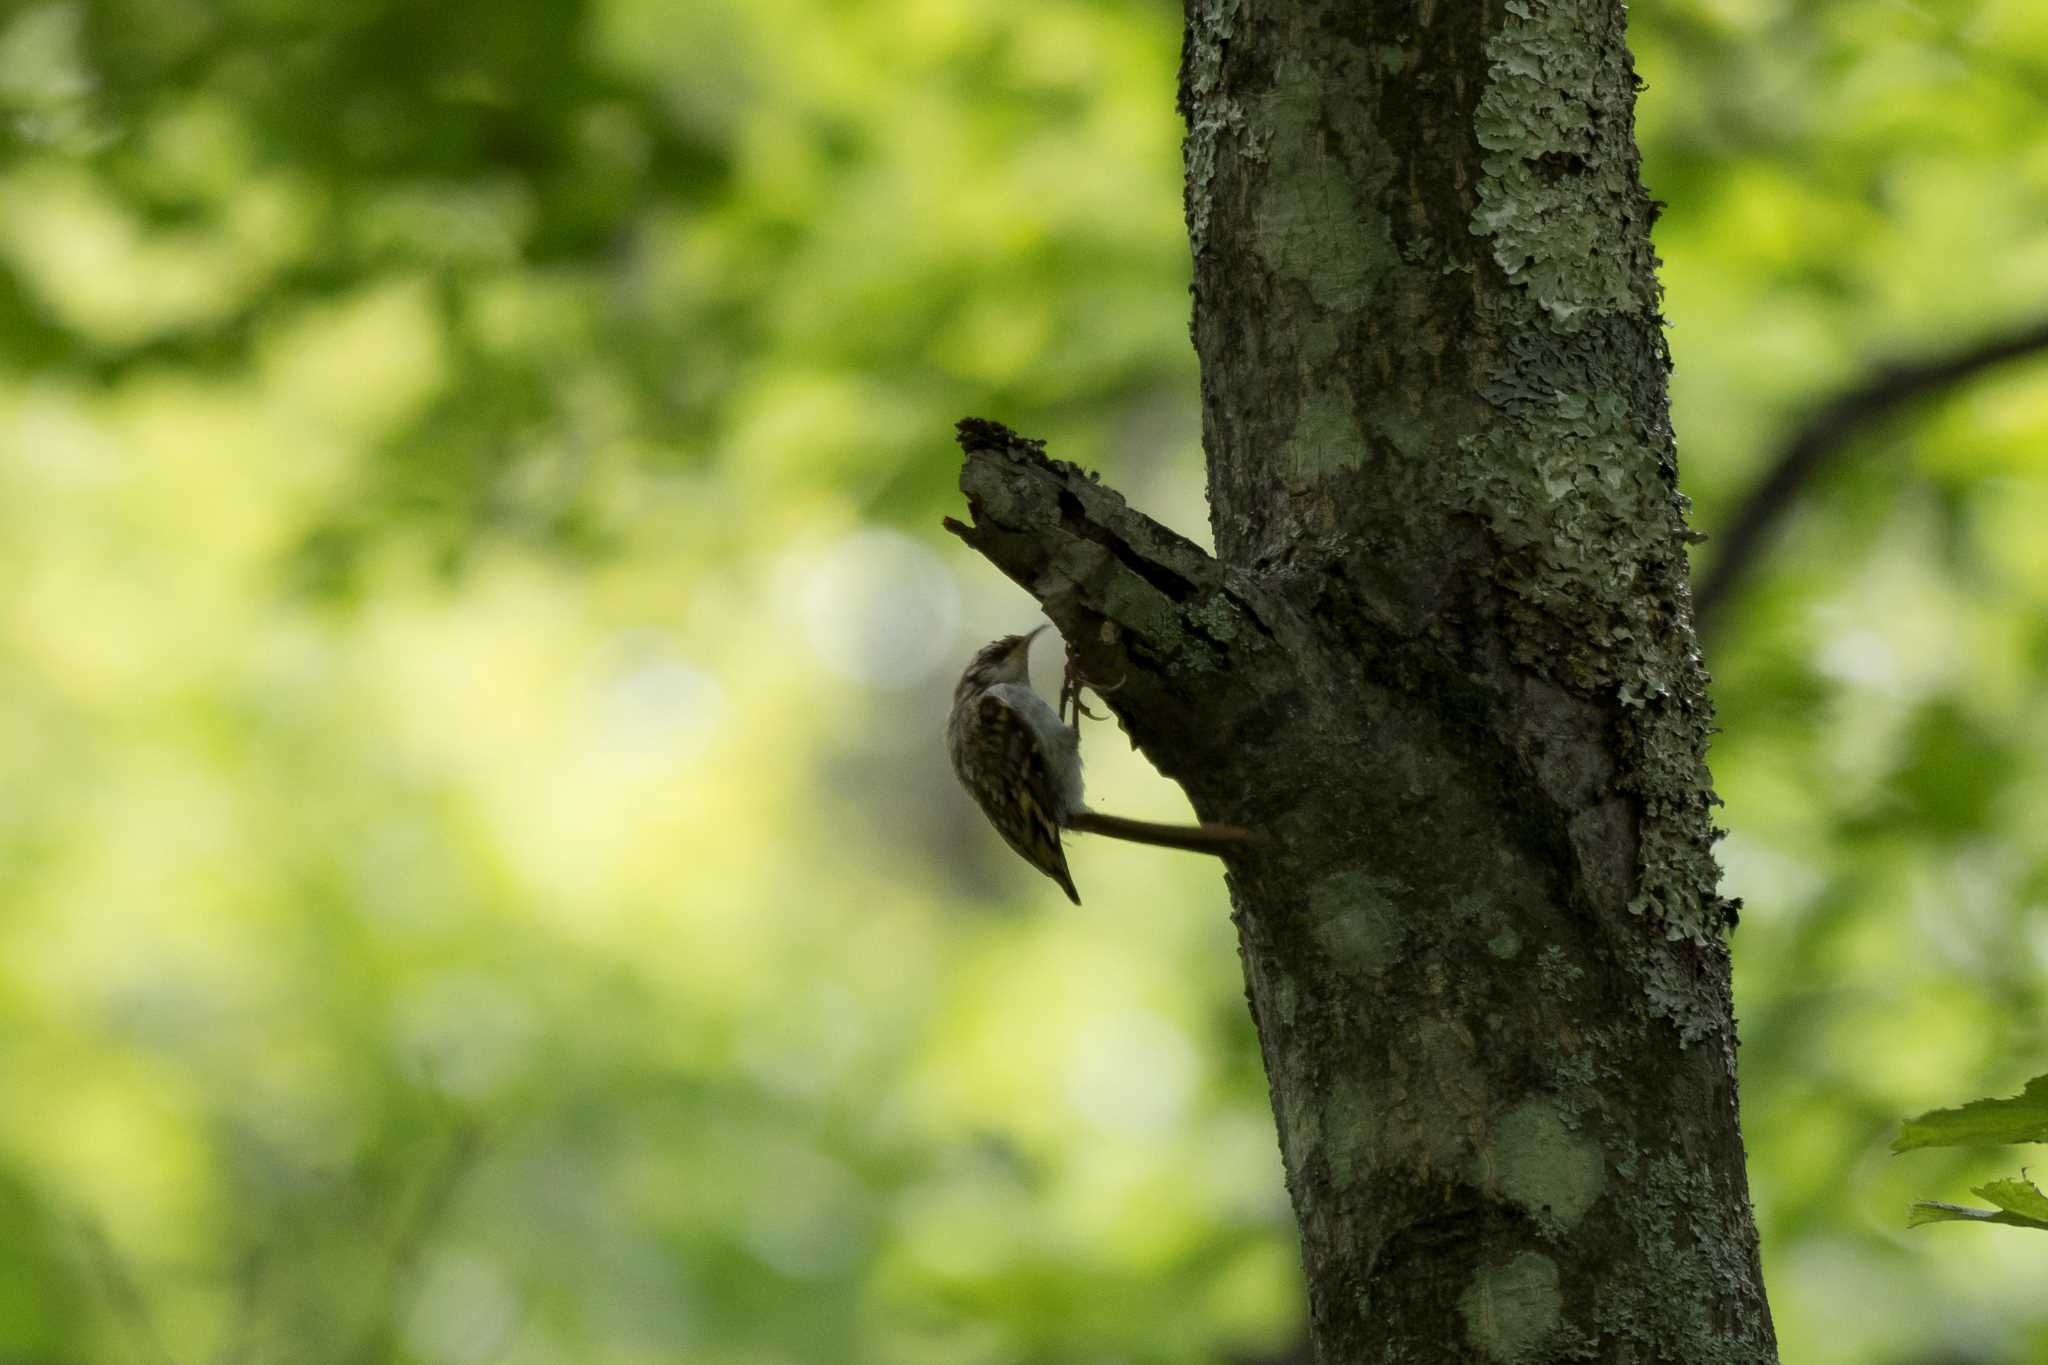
[(1007, 660)]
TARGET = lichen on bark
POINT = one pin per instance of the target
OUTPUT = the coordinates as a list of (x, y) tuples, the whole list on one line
[(1577, 478), (1211, 116), (1510, 1310), (1558, 130)]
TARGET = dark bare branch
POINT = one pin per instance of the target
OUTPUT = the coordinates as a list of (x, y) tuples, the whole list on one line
[(125, 1293), (1825, 436)]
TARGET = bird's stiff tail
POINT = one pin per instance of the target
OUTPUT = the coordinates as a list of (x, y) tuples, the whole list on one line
[(1205, 838)]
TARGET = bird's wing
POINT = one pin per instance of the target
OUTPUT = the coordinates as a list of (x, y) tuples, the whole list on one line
[(1031, 789)]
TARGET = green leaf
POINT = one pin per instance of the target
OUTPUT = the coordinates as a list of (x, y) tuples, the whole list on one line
[(1981, 1123), (2020, 1197), (1924, 1211), (2020, 1204)]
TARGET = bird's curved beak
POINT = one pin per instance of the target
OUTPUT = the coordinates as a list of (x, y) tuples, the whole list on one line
[(1023, 646)]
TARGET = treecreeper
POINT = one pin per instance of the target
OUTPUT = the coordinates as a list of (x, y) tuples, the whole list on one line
[(1021, 761)]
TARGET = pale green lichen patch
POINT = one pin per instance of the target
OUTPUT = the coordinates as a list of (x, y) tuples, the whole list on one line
[(1574, 474), (1558, 129), (1211, 115), (1505, 944), (1578, 501), (1215, 619), (1356, 922), (1582, 501), (1552, 1172), (1556, 973), (1311, 228), (1286, 999), (1349, 1132), (1325, 439), (1509, 1310), (1319, 341), (1311, 224), (1698, 1269), (1435, 1097), (1571, 486), (1406, 432), (1125, 596)]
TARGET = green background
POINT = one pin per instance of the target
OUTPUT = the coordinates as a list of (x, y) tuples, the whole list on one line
[(479, 880)]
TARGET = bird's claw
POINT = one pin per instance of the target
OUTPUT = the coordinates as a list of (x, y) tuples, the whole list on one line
[(1070, 693)]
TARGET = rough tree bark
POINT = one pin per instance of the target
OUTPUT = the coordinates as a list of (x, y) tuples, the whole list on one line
[(1444, 657)]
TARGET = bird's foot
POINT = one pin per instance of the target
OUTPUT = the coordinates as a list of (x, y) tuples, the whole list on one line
[(1070, 694)]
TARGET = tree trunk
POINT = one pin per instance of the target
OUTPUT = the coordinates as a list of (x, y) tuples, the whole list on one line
[(1444, 658)]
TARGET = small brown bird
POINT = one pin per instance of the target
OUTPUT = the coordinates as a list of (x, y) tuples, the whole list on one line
[(1022, 764)]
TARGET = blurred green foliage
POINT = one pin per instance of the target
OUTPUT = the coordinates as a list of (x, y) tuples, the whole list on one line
[(477, 876)]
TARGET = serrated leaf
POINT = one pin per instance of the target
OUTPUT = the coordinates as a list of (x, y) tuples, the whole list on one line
[(2020, 1197), (1981, 1123), (1924, 1211)]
